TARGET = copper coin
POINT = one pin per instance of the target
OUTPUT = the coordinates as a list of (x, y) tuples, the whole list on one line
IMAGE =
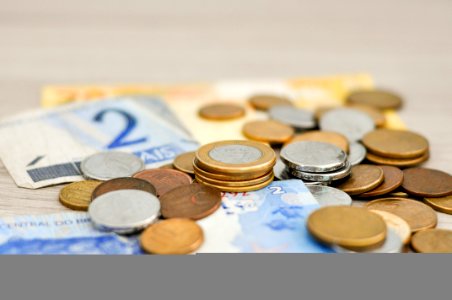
[(363, 178), (184, 162), (380, 99), (77, 195), (194, 201), (164, 180), (221, 111), (268, 131), (397, 162), (423, 182), (264, 102), (442, 204), (126, 183), (334, 138), (393, 178), (376, 114), (432, 241), (418, 215), (172, 237), (393, 143)]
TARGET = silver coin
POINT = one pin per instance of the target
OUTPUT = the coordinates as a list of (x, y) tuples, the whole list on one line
[(124, 211), (110, 165), (235, 154), (280, 170), (323, 177), (292, 116), (353, 124), (327, 196), (315, 183), (357, 153), (310, 156), (392, 244)]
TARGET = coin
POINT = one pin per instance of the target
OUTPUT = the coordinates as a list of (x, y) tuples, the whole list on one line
[(109, 165), (184, 162), (347, 226), (396, 223), (397, 162), (376, 114), (221, 111), (265, 102), (126, 183), (313, 156), (168, 166), (270, 131), (423, 182), (351, 123), (124, 211), (295, 117), (380, 99), (328, 196), (334, 138), (172, 237), (194, 201), (442, 204), (164, 180), (393, 143), (393, 178), (392, 244), (418, 215), (240, 183), (237, 189), (363, 178), (228, 177), (280, 170), (77, 195), (325, 176), (432, 241), (357, 153)]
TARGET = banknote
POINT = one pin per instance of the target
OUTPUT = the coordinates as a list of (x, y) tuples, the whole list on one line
[(272, 219), (45, 147), (64, 233)]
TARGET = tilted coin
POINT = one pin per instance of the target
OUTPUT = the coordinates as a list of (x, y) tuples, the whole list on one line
[(392, 244), (397, 162), (109, 165), (398, 194), (363, 178), (172, 237), (418, 215), (351, 123), (393, 178), (77, 195), (194, 201), (295, 117), (423, 182), (124, 211), (265, 102), (327, 196), (442, 204), (347, 226), (229, 177), (164, 180), (376, 114), (127, 183), (235, 183), (393, 143), (325, 176), (167, 166), (334, 138), (184, 162), (222, 111), (380, 99), (357, 153), (432, 241), (396, 223), (269, 131), (280, 170), (237, 189)]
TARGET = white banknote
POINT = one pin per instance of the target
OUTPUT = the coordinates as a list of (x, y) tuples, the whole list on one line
[(45, 147)]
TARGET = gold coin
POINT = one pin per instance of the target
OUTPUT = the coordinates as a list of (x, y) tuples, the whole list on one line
[(265, 102), (397, 162), (172, 237), (221, 111), (418, 215), (269, 131), (432, 241), (363, 178), (442, 204), (236, 183), (394, 143), (347, 226), (184, 162), (228, 177), (380, 99), (238, 189), (334, 138), (399, 225), (376, 115), (77, 195)]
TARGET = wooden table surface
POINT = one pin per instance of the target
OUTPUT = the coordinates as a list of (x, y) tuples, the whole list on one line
[(406, 45)]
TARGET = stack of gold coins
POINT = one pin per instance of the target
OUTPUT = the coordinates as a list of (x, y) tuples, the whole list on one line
[(235, 166)]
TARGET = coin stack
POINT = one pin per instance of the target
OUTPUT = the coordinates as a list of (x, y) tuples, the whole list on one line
[(235, 166)]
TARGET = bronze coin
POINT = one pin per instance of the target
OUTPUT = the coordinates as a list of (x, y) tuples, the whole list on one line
[(334, 138), (77, 195), (397, 162), (268, 131), (164, 180), (380, 99), (442, 204), (393, 178), (432, 241), (363, 178), (394, 143), (264, 102), (184, 162), (228, 177), (126, 183), (194, 201), (167, 166), (237, 189), (221, 111), (376, 114), (423, 182), (236, 183), (418, 215)]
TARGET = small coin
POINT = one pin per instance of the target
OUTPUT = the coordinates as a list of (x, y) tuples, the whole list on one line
[(328, 196), (423, 182), (418, 215), (241, 183), (109, 165), (270, 131), (357, 153), (334, 138), (313, 156), (164, 180), (237, 189), (442, 204), (351, 123), (376, 114), (363, 178), (124, 211), (380, 99), (396, 223), (347, 226), (184, 162), (172, 237), (222, 111), (326, 177), (77, 195), (194, 201), (127, 183), (392, 244), (393, 178), (397, 162), (295, 117), (393, 143), (432, 241), (265, 102)]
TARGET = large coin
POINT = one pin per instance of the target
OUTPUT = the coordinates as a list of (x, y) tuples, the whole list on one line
[(270, 131), (393, 178), (221, 111), (334, 138), (225, 187), (296, 117), (184, 162), (392, 244), (380, 99), (423, 182), (265, 102), (442, 204), (363, 178), (396, 223), (323, 177), (124, 211), (108, 165), (397, 162), (432, 241), (164, 180), (127, 183), (77, 195), (357, 153), (328, 196)]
